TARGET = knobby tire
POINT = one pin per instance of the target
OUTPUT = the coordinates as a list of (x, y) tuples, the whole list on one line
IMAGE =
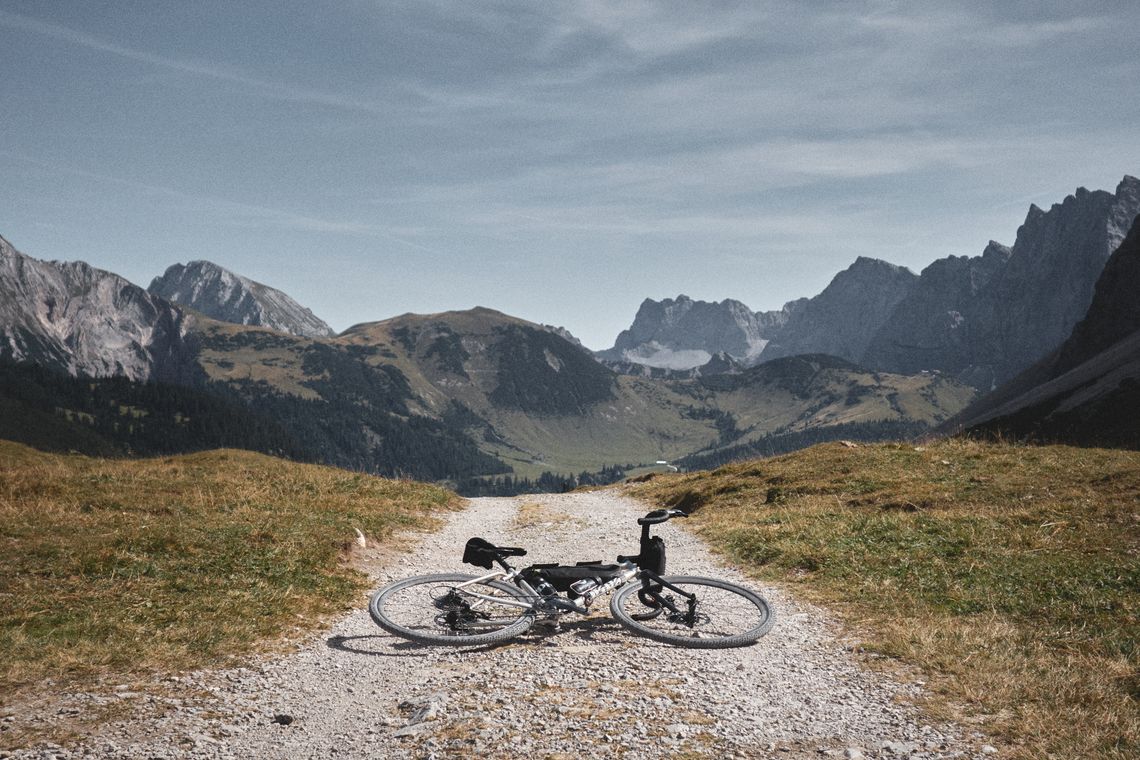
[(729, 615), (406, 609)]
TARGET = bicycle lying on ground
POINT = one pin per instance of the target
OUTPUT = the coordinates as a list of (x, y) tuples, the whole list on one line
[(465, 610)]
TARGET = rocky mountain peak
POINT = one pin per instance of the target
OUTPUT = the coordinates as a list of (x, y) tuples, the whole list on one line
[(565, 334), (682, 333), (869, 265), (227, 296), (1047, 285), (844, 317), (81, 320), (984, 319), (996, 251)]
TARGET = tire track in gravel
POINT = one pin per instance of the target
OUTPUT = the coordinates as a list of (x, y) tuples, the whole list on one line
[(593, 688)]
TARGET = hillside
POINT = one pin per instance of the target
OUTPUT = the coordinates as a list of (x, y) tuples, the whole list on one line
[(345, 403), (116, 416), (135, 568), (536, 402), (1007, 574), (796, 401)]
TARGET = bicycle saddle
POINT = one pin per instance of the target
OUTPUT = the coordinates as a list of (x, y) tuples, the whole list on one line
[(482, 553)]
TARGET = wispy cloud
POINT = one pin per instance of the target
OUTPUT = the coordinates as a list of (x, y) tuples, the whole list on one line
[(564, 136), (236, 213), (265, 87)]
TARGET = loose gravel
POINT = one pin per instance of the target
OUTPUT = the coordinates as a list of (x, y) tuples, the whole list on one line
[(589, 689)]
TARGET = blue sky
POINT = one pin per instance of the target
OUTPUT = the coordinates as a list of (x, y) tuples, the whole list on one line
[(560, 161)]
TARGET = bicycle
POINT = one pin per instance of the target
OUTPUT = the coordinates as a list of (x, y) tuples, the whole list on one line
[(466, 610)]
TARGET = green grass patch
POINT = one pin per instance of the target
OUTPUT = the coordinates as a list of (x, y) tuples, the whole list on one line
[(1010, 574), (155, 566)]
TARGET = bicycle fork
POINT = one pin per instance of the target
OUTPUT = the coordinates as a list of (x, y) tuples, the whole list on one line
[(653, 584)]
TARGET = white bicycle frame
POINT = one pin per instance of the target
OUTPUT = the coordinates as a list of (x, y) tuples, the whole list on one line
[(629, 572), (495, 576)]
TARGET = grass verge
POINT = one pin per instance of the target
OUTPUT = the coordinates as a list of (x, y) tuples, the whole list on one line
[(155, 566), (1010, 574)]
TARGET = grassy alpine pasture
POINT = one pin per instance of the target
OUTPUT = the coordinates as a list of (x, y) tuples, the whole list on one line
[(137, 567), (1009, 574)]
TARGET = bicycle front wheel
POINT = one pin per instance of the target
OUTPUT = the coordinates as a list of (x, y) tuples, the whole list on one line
[(439, 609), (724, 615)]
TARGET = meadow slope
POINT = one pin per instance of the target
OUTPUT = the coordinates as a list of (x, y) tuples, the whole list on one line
[(1009, 574)]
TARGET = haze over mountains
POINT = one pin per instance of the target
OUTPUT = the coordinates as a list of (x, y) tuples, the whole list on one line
[(881, 352)]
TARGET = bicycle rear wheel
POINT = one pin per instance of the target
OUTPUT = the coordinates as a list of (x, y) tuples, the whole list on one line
[(433, 609), (725, 615)]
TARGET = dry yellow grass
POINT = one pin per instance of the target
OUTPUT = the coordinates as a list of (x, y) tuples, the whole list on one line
[(140, 567), (1010, 574)]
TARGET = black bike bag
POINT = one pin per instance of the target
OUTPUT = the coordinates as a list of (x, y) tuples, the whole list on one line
[(652, 557), (561, 577), (482, 553)]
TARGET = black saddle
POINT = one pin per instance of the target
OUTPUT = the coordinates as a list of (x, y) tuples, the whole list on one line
[(482, 553)]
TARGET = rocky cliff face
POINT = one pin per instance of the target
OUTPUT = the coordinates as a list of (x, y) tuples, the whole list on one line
[(85, 321), (1115, 311), (229, 297), (1047, 286), (842, 320), (682, 333), (985, 319), (934, 326), (1087, 391)]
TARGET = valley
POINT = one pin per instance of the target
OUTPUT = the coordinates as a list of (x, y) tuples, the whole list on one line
[(538, 403), (303, 302), (486, 402)]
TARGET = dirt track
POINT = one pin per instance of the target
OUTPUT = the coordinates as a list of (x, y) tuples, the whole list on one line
[(592, 689)]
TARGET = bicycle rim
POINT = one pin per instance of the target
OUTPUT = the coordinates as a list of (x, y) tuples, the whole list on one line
[(726, 615), (433, 609)]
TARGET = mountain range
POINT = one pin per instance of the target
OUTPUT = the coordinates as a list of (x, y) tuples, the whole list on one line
[(479, 396), (982, 319), (1086, 391), (682, 333), (456, 396)]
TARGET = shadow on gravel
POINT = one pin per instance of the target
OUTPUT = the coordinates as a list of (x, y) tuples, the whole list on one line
[(401, 648), (585, 630)]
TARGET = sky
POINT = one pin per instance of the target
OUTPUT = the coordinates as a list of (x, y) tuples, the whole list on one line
[(558, 161)]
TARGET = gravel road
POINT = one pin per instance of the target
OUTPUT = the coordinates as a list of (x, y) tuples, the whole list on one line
[(591, 689)]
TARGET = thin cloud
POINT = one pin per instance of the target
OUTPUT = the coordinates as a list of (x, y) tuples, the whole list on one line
[(241, 214), (266, 87)]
